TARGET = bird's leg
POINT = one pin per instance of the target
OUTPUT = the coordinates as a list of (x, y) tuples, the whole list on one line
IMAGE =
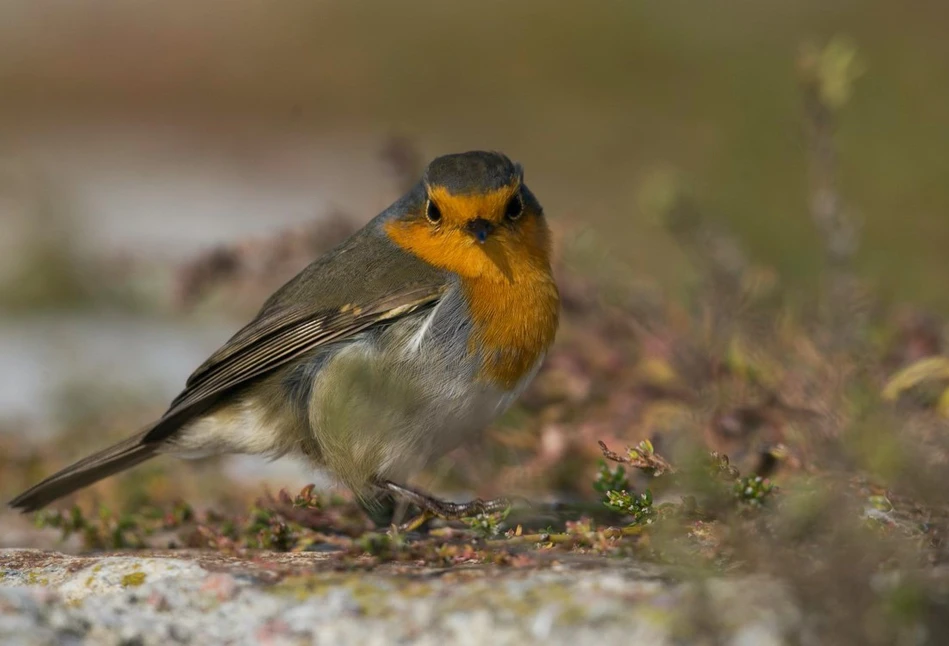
[(383, 510), (434, 508)]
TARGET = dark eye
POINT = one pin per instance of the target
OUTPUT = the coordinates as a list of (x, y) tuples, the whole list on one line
[(514, 208), (432, 212)]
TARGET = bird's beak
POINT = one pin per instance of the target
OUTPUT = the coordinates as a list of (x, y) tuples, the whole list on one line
[(480, 229)]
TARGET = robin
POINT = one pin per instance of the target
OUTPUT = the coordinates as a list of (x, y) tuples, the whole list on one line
[(397, 346)]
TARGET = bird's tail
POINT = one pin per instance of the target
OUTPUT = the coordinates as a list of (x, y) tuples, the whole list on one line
[(118, 457)]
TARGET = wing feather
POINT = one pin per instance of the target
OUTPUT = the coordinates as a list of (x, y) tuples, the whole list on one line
[(278, 337)]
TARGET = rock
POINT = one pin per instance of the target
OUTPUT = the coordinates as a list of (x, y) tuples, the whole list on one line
[(204, 598), (119, 573)]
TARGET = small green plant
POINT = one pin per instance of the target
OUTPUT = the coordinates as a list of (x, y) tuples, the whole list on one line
[(268, 530), (643, 457), (639, 507), (104, 530), (720, 468), (726, 482), (487, 525), (608, 480), (306, 499), (618, 494), (753, 491)]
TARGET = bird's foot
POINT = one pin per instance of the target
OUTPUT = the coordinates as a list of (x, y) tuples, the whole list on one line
[(433, 507)]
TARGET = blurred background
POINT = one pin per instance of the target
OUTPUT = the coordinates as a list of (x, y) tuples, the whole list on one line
[(146, 147)]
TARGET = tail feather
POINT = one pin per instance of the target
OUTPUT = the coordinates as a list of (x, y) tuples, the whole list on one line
[(118, 457)]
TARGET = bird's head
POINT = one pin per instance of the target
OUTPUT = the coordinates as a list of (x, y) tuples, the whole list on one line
[(472, 214)]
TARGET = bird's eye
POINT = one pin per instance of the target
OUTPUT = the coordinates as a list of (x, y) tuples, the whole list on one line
[(514, 208), (432, 212)]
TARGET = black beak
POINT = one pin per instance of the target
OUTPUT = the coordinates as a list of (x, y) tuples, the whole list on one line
[(480, 229)]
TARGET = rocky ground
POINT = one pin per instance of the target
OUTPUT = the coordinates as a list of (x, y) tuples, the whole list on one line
[(198, 597)]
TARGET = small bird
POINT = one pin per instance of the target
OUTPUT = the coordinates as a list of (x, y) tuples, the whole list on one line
[(397, 346)]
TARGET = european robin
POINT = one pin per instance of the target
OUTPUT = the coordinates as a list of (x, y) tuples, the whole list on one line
[(403, 342)]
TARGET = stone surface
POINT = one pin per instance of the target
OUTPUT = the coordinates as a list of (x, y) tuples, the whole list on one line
[(209, 598)]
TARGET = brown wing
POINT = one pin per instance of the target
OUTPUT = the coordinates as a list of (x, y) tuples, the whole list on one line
[(276, 338)]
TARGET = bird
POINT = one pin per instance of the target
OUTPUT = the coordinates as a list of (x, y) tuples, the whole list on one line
[(395, 347)]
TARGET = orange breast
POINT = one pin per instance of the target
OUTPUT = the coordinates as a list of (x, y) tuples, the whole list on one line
[(507, 283), (514, 323)]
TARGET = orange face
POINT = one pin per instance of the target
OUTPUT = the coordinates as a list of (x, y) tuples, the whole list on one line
[(494, 235), (499, 244)]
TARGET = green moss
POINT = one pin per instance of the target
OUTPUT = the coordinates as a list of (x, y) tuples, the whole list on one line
[(133, 579), (32, 578), (303, 587)]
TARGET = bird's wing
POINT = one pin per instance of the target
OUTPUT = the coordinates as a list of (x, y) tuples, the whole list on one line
[(272, 341), (302, 316)]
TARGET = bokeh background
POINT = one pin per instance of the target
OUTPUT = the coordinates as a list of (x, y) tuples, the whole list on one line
[(137, 137)]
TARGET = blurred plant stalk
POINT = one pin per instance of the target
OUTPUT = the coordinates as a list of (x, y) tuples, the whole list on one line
[(827, 77)]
